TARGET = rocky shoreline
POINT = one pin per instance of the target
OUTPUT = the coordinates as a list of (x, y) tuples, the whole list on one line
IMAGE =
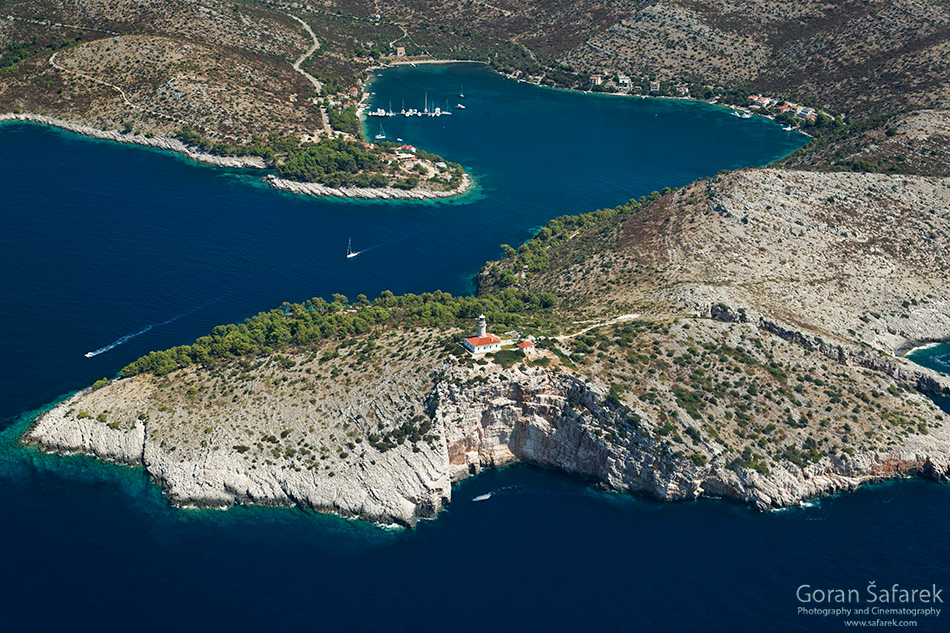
[(366, 193), (478, 418), (533, 416), (240, 162), (768, 378), (157, 142)]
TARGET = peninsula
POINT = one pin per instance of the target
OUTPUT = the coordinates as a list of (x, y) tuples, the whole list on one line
[(223, 95), (668, 364), (740, 337)]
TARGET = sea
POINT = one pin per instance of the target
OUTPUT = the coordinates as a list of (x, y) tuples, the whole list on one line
[(118, 250)]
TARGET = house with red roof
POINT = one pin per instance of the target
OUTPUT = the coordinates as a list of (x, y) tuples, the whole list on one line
[(483, 341)]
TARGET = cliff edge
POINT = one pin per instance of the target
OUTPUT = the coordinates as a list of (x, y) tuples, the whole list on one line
[(758, 358)]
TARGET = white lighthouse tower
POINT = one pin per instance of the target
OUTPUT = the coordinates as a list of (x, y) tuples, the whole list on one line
[(483, 341)]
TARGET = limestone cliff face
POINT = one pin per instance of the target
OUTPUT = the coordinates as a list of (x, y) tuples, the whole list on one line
[(534, 416), (558, 421), (401, 485)]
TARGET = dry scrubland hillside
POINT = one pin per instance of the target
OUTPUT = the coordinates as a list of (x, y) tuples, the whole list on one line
[(756, 361), (857, 55), (222, 68), (763, 310), (857, 257), (881, 64), (225, 68)]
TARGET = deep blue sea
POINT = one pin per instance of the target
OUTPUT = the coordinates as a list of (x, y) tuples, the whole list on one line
[(104, 244)]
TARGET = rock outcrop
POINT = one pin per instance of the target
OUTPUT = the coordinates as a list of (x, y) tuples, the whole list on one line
[(762, 365), (366, 193), (558, 421), (399, 486), (521, 415)]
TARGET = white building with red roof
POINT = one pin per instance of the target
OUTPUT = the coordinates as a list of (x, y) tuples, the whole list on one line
[(482, 342)]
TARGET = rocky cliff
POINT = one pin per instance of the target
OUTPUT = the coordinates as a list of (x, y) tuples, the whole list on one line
[(558, 421), (762, 364), (388, 448)]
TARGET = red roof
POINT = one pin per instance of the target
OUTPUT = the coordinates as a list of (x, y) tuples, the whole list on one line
[(524, 344), (479, 341)]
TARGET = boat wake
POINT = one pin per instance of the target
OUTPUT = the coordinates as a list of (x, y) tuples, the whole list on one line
[(350, 253), (129, 337), (120, 341)]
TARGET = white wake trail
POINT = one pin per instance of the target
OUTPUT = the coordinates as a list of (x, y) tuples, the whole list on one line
[(129, 337)]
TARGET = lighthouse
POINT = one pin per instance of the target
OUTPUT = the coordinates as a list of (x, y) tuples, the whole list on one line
[(483, 341)]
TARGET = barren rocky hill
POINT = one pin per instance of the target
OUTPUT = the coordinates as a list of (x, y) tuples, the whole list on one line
[(226, 69), (854, 56), (223, 69), (858, 257), (734, 338)]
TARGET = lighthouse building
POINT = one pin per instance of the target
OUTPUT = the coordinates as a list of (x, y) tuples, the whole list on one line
[(483, 341)]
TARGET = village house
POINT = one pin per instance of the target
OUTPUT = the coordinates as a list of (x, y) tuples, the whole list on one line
[(596, 80), (400, 51), (654, 86), (805, 113), (483, 341), (682, 91)]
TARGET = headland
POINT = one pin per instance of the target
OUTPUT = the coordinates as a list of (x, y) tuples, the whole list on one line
[(769, 378), (775, 303)]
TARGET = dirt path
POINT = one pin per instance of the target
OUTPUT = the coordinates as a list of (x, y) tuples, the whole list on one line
[(313, 49), (619, 319), (52, 62), (313, 80)]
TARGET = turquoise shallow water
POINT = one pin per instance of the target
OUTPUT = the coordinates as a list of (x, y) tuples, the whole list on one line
[(936, 357), (99, 242)]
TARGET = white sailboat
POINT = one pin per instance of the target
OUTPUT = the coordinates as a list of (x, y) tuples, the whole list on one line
[(461, 93), (349, 249), (382, 133)]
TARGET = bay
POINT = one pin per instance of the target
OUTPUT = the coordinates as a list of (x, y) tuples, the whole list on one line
[(936, 357), (104, 243)]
